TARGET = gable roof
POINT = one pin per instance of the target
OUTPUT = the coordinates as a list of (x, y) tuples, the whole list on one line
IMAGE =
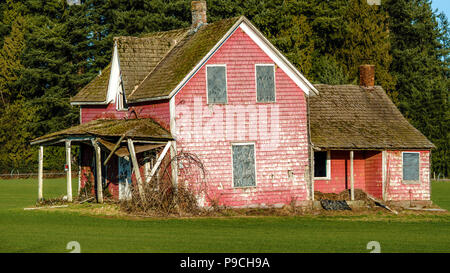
[(156, 66), (353, 117), (138, 56)]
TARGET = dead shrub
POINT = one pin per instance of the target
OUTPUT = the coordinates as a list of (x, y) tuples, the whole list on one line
[(161, 197)]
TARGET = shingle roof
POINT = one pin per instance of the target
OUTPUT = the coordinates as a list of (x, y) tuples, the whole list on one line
[(144, 128), (181, 60), (353, 117), (95, 91), (139, 56), (154, 64)]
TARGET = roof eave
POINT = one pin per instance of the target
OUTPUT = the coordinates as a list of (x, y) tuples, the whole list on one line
[(78, 103)]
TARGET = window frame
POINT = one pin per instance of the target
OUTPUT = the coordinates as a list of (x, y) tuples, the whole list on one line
[(328, 167), (232, 164), (274, 83), (404, 181), (226, 83)]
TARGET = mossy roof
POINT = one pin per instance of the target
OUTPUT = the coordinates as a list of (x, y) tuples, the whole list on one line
[(154, 64), (95, 91), (181, 60), (141, 129), (353, 117)]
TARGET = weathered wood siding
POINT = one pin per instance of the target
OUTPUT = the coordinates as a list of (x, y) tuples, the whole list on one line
[(397, 189), (340, 173), (281, 152), (158, 111)]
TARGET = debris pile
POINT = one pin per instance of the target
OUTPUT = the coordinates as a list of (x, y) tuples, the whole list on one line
[(334, 205), (337, 201)]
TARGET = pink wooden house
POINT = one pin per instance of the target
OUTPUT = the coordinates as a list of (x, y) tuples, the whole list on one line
[(265, 135)]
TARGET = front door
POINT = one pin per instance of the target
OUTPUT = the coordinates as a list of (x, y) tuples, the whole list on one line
[(124, 179)]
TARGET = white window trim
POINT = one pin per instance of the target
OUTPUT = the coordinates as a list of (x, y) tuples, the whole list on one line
[(274, 83), (328, 177), (226, 83), (232, 164), (410, 181)]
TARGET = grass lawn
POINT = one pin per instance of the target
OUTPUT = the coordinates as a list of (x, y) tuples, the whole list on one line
[(50, 231)]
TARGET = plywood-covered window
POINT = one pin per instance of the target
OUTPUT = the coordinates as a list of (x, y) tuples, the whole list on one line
[(410, 166), (322, 165), (265, 83), (216, 81), (244, 172)]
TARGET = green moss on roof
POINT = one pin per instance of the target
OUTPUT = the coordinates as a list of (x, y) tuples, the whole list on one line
[(144, 128), (95, 91), (352, 117), (138, 56), (181, 60)]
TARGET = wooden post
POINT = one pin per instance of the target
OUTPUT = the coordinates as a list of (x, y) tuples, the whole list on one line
[(311, 173), (174, 164), (158, 161), (352, 190), (98, 164), (69, 171), (137, 172), (41, 173), (114, 149)]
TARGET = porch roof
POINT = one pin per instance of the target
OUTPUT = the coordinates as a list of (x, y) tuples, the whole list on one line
[(354, 117), (143, 129)]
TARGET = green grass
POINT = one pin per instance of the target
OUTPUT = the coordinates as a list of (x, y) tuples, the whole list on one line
[(440, 193), (50, 231)]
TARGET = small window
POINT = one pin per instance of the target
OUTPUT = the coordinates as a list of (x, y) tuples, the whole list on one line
[(322, 165), (265, 83), (216, 83), (411, 167), (244, 165)]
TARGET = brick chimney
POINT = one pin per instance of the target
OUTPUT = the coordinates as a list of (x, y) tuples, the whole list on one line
[(367, 75), (198, 9)]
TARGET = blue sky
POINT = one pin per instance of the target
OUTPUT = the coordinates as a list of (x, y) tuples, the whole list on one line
[(442, 5)]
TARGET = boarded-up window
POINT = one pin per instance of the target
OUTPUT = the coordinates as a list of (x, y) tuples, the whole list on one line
[(217, 84), (320, 164), (244, 165), (411, 166), (265, 83)]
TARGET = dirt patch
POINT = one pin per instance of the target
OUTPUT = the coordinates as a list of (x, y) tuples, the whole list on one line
[(343, 195)]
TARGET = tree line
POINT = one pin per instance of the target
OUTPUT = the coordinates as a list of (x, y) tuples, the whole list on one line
[(49, 50)]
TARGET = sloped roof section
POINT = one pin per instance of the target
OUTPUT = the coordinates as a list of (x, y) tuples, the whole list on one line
[(141, 129), (154, 66), (353, 117), (181, 60), (138, 56), (95, 91)]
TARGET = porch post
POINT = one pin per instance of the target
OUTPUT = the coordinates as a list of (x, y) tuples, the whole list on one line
[(98, 158), (311, 174), (41, 173), (352, 190), (137, 172), (174, 164), (69, 171)]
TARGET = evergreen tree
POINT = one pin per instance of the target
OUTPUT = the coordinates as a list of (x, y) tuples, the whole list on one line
[(10, 52), (366, 40), (420, 63)]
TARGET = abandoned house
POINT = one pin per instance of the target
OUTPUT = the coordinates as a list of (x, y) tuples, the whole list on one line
[(264, 134)]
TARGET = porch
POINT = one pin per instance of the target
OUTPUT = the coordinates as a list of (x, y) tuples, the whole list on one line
[(339, 170), (107, 142)]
